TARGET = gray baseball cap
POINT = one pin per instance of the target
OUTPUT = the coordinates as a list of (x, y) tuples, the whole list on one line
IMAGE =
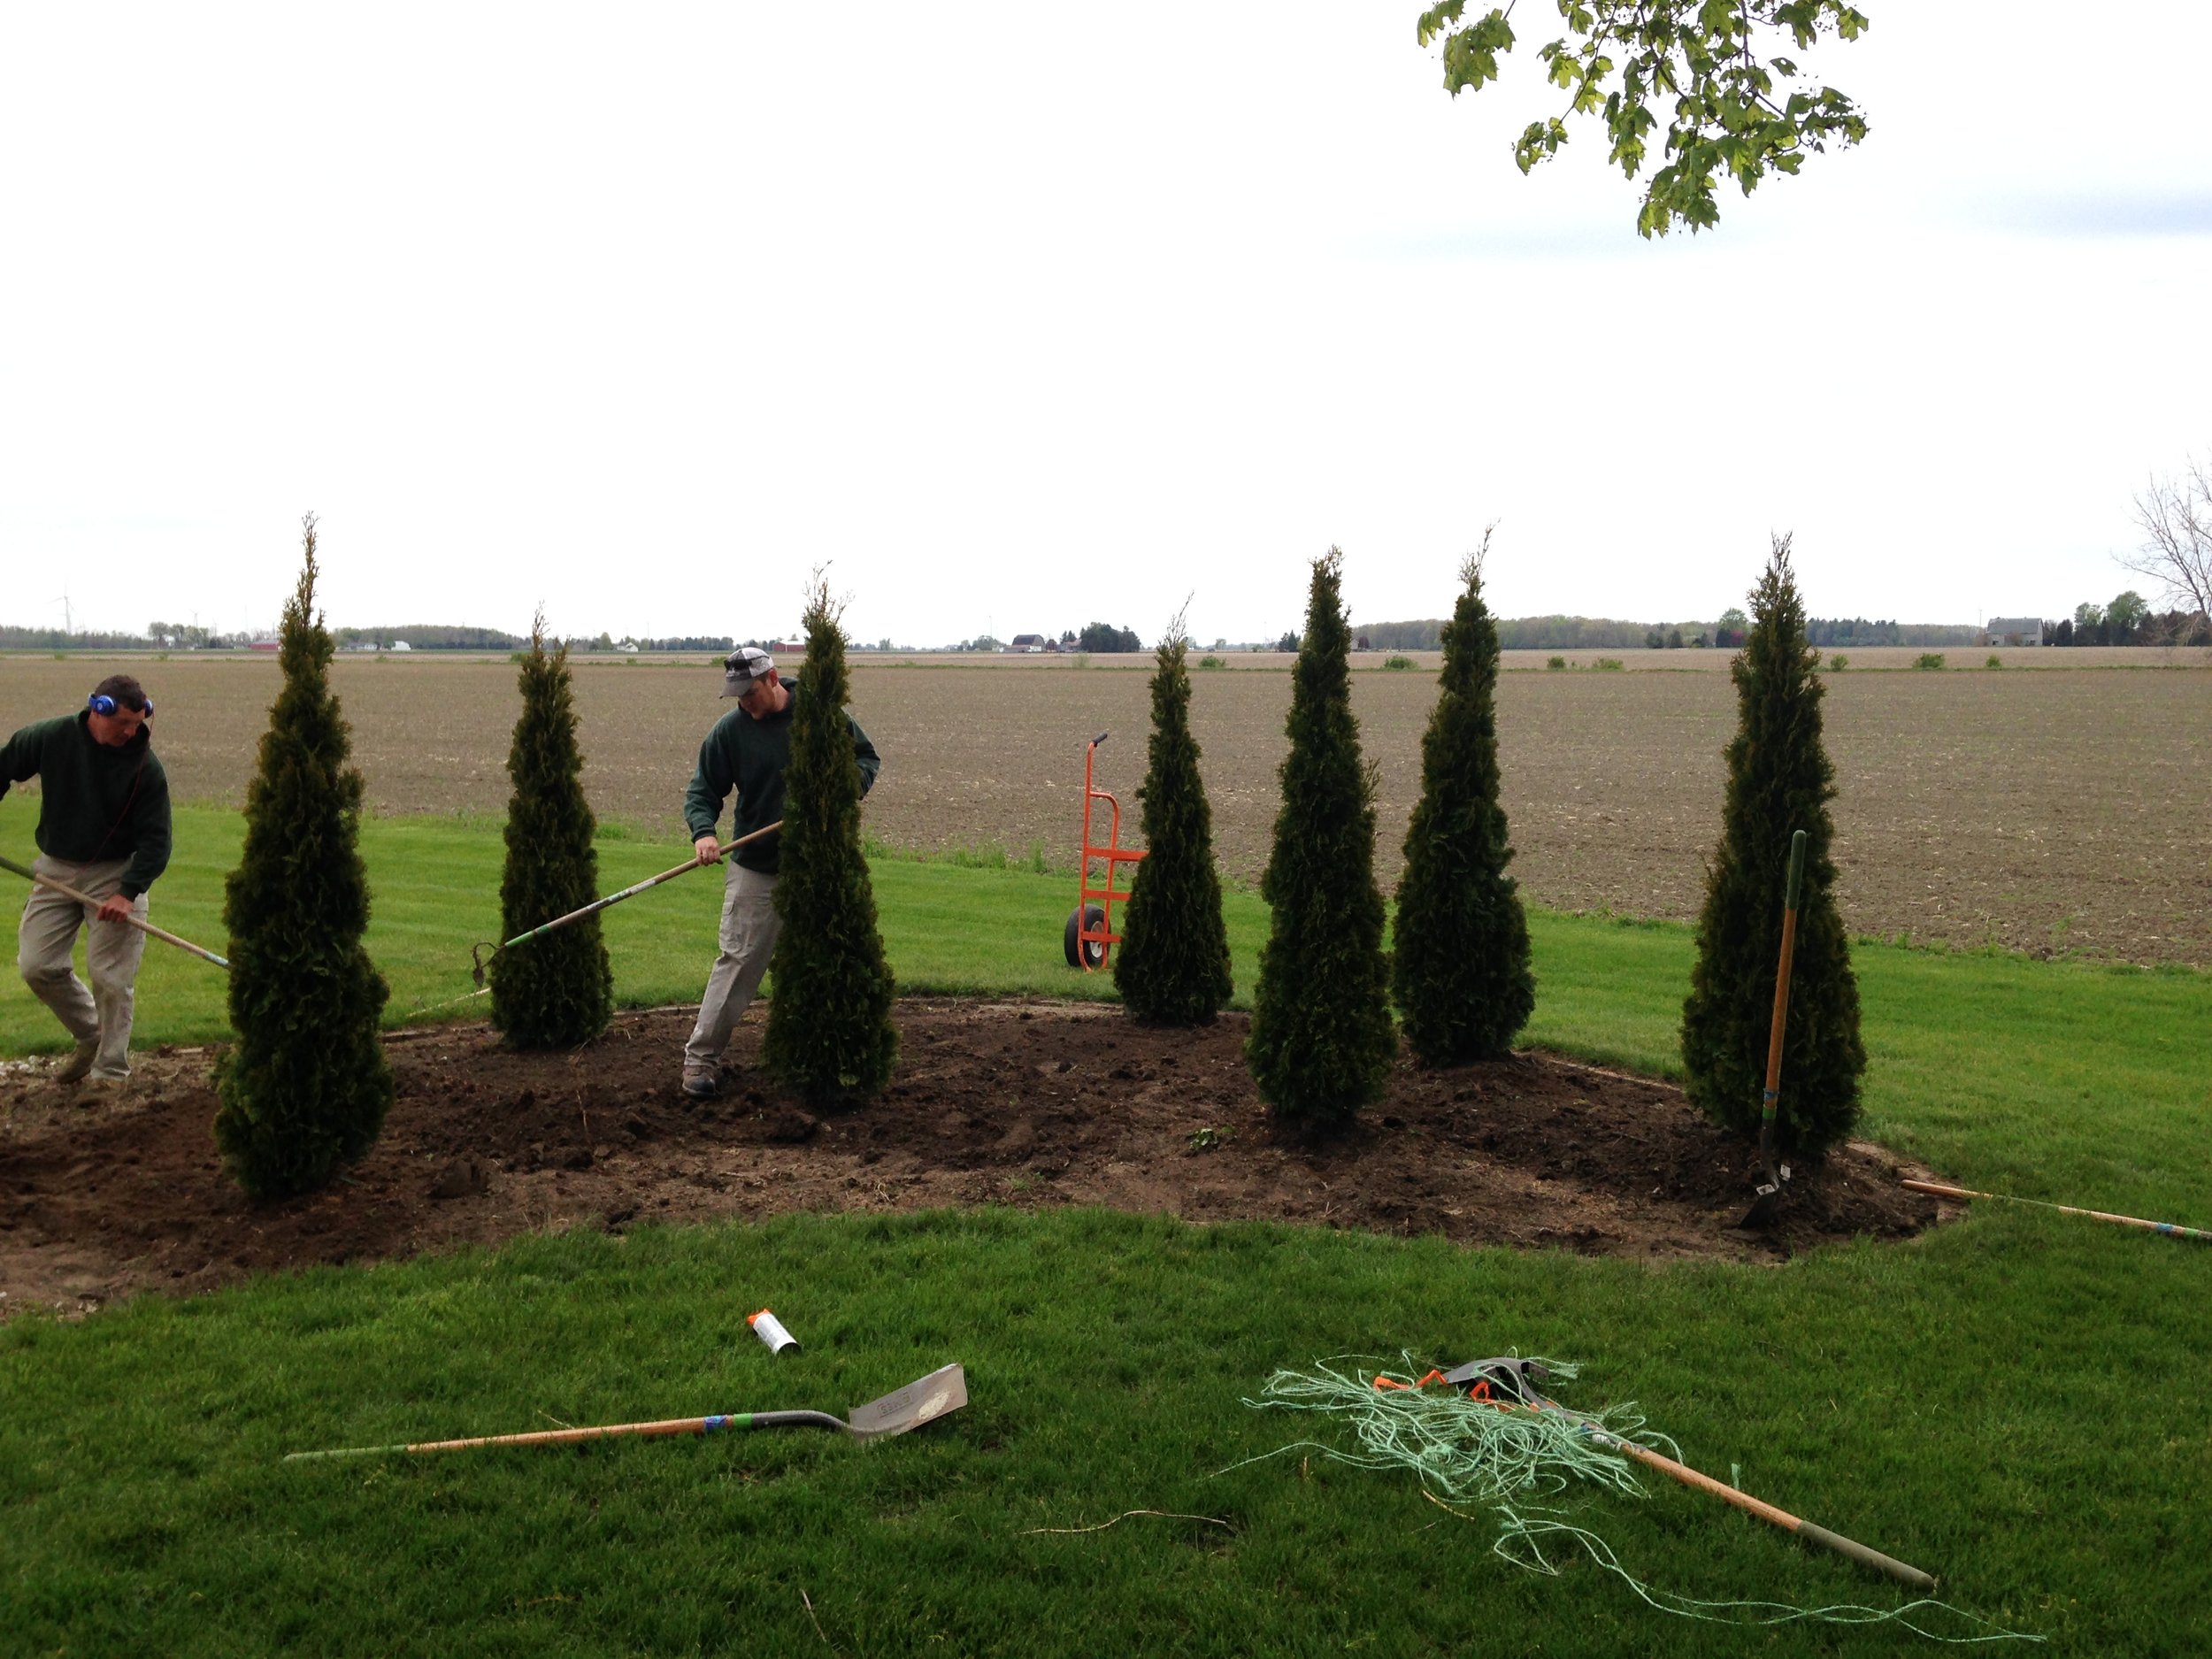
[(742, 667)]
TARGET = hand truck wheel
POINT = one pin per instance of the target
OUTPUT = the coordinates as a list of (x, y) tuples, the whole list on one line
[(1085, 953)]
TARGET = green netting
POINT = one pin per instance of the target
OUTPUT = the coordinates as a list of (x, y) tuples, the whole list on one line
[(1503, 1453)]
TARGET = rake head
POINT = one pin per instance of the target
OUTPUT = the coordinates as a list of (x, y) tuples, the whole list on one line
[(480, 956)]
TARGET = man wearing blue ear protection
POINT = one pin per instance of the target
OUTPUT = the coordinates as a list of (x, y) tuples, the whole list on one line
[(103, 829)]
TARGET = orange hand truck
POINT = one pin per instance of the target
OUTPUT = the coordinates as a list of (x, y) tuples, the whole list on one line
[(1090, 929)]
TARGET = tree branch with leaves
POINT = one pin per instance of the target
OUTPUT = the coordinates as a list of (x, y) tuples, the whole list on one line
[(1741, 109)]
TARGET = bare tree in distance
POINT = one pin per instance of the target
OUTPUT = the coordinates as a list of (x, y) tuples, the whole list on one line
[(2176, 514)]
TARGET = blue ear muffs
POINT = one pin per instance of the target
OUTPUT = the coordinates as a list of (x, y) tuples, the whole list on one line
[(100, 704)]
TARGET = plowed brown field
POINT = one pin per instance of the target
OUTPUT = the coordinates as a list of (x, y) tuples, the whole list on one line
[(2065, 809)]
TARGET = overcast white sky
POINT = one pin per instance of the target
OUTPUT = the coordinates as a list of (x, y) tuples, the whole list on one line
[(1026, 316)]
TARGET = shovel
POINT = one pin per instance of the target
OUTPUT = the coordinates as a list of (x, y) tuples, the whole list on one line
[(68, 892), (1766, 1198), (918, 1402), (482, 955)]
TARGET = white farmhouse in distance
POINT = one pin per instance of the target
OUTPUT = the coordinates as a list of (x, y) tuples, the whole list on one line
[(2013, 631)]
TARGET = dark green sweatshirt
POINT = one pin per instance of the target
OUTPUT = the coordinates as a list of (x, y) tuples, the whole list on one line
[(749, 756), (95, 802)]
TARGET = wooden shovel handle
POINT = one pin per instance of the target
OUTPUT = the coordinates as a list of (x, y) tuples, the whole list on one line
[(1782, 976)]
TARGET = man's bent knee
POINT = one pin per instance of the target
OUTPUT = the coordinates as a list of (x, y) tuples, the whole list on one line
[(42, 978)]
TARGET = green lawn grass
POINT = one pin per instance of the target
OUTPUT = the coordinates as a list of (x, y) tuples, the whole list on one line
[(2016, 1402)]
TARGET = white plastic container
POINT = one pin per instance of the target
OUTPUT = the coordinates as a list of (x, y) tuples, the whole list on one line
[(770, 1329)]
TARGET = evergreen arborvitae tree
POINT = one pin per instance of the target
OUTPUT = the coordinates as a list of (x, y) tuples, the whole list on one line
[(306, 1086), (830, 1038), (1779, 781), (1322, 1044), (557, 991), (1172, 964), (1459, 963)]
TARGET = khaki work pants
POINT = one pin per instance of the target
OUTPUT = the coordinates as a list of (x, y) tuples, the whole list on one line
[(749, 926), (50, 923)]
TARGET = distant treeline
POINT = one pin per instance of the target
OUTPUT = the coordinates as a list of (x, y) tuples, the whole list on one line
[(1826, 631), (429, 637), (2128, 621), (1567, 633), (416, 636), (1517, 634), (62, 640)]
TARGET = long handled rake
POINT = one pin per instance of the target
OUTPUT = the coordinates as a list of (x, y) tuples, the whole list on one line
[(68, 892), (2171, 1229), (482, 954), (923, 1401)]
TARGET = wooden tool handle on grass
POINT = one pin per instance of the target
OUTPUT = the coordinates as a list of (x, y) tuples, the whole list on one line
[(661, 1429), (1909, 1576), (2171, 1229)]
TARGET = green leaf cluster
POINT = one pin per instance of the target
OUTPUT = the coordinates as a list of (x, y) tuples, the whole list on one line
[(1321, 1043), (1736, 110), (1172, 964), (830, 1039), (557, 990), (1779, 781), (306, 1086), (1459, 963)]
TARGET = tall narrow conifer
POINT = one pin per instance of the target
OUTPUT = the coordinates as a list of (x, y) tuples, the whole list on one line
[(1321, 1043), (1172, 964), (1459, 962), (1779, 781), (557, 991), (830, 1038), (305, 1086)]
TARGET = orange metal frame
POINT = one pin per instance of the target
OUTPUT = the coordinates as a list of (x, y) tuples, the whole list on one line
[(1114, 855)]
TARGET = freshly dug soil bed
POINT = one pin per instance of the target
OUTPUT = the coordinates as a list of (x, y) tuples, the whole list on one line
[(1026, 1103)]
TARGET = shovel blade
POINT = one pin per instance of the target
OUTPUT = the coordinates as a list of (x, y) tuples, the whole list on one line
[(1766, 1200), (918, 1402)]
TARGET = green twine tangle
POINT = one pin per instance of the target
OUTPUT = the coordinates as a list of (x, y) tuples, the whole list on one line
[(1501, 1453), (1465, 1450)]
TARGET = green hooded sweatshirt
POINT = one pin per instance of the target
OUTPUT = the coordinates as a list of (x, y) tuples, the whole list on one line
[(95, 802), (749, 756)]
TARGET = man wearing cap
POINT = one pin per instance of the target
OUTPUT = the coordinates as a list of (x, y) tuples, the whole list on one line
[(747, 751), (102, 829)]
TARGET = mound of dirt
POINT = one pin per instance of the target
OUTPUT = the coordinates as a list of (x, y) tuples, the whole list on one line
[(1026, 1103)]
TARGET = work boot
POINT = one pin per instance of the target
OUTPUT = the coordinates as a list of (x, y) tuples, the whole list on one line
[(101, 1086), (702, 1082), (78, 1064)]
